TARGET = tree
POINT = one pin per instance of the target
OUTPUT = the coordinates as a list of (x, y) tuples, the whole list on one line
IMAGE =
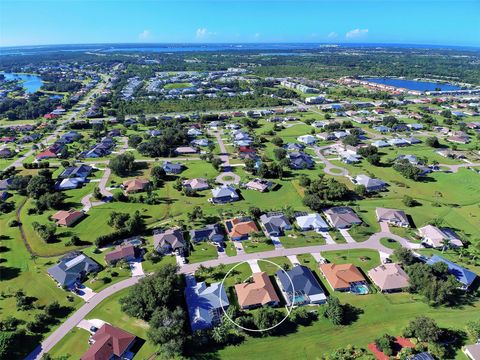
[(473, 330), (361, 190), (255, 212), (217, 163), (374, 159), (277, 141), (266, 318), (334, 311), (97, 194), (423, 328), (432, 141), (279, 153), (385, 344), (6, 341), (408, 201), (167, 330), (445, 244), (136, 224), (117, 220), (39, 185), (158, 176), (122, 164)]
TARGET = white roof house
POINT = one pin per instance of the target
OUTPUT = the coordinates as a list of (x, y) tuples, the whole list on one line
[(433, 236), (311, 222), (370, 184), (307, 139)]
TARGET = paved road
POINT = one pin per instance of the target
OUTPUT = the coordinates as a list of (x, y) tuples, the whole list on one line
[(226, 177), (78, 316), (329, 168), (456, 167)]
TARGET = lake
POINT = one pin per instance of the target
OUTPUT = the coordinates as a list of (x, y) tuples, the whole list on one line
[(31, 83), (413, 84)]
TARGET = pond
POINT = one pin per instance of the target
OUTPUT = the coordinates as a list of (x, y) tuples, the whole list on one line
[(31, 83), (414, 84)]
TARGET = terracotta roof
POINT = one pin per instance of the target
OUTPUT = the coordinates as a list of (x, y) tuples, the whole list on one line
[(120, 252), (241, 228), (340, 276), (135, 185), (67, 218), (260, 291), (108, 341)]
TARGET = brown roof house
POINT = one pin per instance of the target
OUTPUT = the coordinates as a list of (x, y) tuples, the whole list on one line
[(259, 185), (392, 217), (109, 343), (240, 228), (169, 241), (389, 277), (342, 277), (67, 218), (342, 217), (196, 184), (135, 185), (259, 292), (127, 252)]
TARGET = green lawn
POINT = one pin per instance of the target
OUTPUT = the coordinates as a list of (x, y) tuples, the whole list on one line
[(362, 258), (251, 246), (181, 85), (73, 345), (272, 269), (390, 243), (308, 238), (202, 252)]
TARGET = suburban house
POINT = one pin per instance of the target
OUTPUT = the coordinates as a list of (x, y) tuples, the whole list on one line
[(67, 218), (306, 288), (342, 217), (398, 142), (371, 185), (275, 224), (72, 269), (69, 184), (434, 236), (197, 184), (168, 241), (186, 150), (205, 303), (122, 252), (464, 276), (307, 139), (389, 277), (294, 147), (258, 292), (172, 168), (261, 185), (109, 342), (380, 144), (300, 160), (212, 232), (311, 222), (77, 172), (5, 184), (240, 228), (392, 217), (224, 194), (135, 185), (342, 277), (472, 351)]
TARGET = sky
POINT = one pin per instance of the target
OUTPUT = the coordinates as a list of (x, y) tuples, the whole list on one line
[(435, 22)]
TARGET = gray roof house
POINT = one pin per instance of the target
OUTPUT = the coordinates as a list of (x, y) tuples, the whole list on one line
[(306, 288), (393, 217), (204, 303), (311, 222), (342, 217), (371, 185), (224, 194), (168, 241), (72, 269), (172, 168), (213, 232), (275, 223), (300, 160)]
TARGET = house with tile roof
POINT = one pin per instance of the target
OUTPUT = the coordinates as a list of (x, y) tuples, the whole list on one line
[(259, 292), (341, 277), (122, 252), (389, 277), (67, 218), (240, 228), (135, 185), (392, 217), (109, 342), (300, 286), (197, 184)]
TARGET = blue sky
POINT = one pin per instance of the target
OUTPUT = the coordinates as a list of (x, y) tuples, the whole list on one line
[(441, 22)]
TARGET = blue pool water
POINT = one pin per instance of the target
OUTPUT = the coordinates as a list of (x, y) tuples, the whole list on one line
[(413, 84), (359, 289)]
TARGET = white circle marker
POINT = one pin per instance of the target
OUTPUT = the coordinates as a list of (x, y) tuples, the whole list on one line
[(289, 308)]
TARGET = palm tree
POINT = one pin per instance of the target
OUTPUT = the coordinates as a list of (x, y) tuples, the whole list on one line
[(445, 244)]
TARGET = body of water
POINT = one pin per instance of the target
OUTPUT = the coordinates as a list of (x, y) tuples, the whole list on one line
[(414, 84), (31, 83)]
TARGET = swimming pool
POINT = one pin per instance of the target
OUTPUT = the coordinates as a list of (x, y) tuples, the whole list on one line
[(359, 289), (299, 299)]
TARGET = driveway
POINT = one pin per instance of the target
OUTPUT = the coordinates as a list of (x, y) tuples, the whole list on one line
[(348, 238), (85, 293), (327, 237), (276, 242), (293, 259), (87, 324), (136, 267), (384, 226), (318, 258), (254, 265)]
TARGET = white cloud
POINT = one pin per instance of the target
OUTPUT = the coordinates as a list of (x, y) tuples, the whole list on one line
[(356, 33), (332, 35), (144, 35), (203, 33)]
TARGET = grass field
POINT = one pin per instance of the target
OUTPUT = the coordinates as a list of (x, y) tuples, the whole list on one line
[(181, 85)]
